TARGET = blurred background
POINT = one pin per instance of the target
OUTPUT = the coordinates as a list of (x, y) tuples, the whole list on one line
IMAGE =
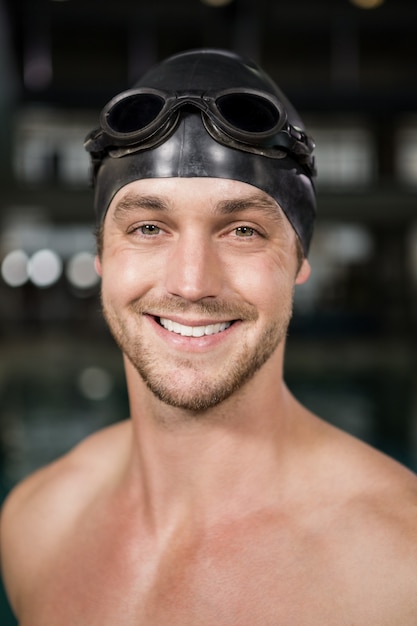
[(350, 69)]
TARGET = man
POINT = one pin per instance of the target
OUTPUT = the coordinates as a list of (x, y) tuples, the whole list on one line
[(222, 500)]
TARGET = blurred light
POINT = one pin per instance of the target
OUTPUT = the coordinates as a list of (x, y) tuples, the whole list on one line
[(45, 267), (217, 3), (37, 70), (367, 4), (346, 155), (406, 153), (81, 271), (95, 383), (348, 243), (49, 145), (14, 268)]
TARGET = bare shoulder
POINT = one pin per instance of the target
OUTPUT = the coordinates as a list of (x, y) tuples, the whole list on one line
[(378, 502), (365, 513), (386, 524), (370, 477), (64, 479), (39, 511), (386, 494)]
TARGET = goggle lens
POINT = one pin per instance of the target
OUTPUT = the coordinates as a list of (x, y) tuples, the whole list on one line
[(134, 112), (248, 112)]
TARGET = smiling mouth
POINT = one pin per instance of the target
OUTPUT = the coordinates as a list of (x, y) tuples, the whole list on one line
[(193, 331)]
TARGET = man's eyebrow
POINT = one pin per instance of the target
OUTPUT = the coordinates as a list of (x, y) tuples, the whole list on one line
[(133, 201), (257, 202)]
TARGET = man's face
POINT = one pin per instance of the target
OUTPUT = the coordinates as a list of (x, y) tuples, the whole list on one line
[(197, 284)]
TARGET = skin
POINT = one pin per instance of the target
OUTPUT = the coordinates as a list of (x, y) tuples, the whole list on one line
[(221, 500), (246, 231)]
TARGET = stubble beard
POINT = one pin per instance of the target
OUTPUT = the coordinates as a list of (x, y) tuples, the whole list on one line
[(205, 392)]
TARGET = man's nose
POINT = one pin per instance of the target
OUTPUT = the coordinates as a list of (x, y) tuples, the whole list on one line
[(194, 269)]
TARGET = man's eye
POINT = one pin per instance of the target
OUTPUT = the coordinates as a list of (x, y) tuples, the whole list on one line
[(149, 229), (244, 231)]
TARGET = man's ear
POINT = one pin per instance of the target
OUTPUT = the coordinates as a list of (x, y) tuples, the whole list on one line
[(303, 273), (97, 265)]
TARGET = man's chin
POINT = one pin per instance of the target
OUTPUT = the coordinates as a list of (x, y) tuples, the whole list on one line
[(195, 405)]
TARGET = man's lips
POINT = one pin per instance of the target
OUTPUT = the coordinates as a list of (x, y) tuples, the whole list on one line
[(193, 331)]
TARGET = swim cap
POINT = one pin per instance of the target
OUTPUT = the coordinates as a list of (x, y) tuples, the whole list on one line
[(206, 113)]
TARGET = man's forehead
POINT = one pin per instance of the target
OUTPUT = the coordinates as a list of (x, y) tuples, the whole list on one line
[(222, 195)]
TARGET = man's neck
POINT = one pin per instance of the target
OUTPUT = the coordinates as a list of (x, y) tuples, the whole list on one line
[(213, 464)]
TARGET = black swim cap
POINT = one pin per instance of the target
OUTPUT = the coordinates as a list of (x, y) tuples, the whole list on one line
[(206, 113)]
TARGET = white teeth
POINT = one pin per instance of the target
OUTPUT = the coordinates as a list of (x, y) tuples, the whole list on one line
[(193, 331)]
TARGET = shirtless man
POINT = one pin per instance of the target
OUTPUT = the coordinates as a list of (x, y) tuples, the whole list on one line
[(221, 501)]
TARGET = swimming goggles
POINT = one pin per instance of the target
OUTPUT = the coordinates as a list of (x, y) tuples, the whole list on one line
[(246, 119)]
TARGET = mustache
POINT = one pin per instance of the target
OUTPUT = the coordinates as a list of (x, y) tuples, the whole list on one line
[(213, 307)]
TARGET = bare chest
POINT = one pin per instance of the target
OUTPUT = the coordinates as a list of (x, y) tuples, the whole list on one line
[(243, 576)]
